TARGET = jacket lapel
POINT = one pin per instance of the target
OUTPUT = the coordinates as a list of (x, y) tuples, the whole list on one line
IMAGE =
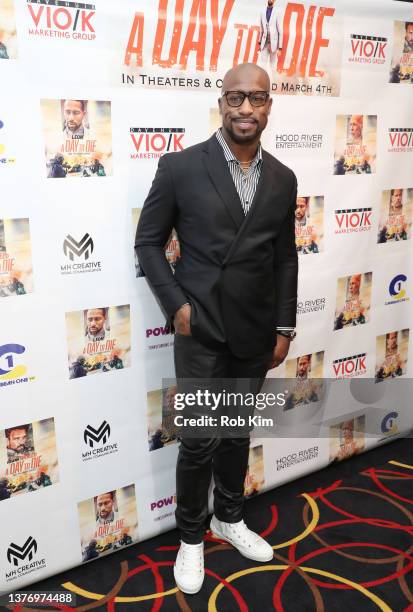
[(266, 190), (220, 176)]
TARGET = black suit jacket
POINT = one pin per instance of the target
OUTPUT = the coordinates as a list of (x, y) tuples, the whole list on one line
[(238, 272)]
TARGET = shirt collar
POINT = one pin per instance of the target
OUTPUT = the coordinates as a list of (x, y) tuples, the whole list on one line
[(229, 156)]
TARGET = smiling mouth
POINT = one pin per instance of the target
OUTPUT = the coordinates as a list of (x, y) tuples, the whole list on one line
[(244, 123)]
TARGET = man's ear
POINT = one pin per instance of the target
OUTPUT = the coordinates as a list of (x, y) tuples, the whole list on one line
[(270, 105), (219, 105)]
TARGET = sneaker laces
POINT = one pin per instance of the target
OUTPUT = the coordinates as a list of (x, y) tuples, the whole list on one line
[(240, 530), (191, 559)]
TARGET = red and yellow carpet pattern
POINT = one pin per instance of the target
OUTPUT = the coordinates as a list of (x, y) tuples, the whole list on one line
[(342, 538)]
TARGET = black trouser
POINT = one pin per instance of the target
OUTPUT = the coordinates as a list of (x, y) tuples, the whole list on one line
[(200, 458)]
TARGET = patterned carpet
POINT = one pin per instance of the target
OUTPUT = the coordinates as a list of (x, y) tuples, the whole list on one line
[(342, 539)]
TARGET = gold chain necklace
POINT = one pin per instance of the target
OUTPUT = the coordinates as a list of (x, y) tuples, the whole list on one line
[(246, 165)]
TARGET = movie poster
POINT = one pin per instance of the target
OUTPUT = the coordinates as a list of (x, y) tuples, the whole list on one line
[(402, 59), (309, 232), (300, 46), (28, 458), (347, 438), (161, 413), (254, 479), (108, 522), (355, 149), (16, 273), (353, 300), (172, 249), (191, 45), (391, 354), (78, 138), (396, 214), (98, 340), (305, 384), (8, 34)]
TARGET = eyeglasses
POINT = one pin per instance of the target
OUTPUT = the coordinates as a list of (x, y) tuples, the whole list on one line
[(236, 98)]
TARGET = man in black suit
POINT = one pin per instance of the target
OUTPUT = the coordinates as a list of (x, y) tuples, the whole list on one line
[(232, 298)]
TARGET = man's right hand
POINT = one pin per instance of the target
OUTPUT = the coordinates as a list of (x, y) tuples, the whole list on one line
[(182, 320)]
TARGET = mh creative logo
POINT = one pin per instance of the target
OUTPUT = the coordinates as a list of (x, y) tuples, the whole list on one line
[(389, 425), (16, 552), (57, 19), (92, 435), (79, 249), (12, 373), (397, 290), (71, 247)]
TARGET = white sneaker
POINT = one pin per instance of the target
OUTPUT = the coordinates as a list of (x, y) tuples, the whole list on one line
[(248, 543), (189, 568)]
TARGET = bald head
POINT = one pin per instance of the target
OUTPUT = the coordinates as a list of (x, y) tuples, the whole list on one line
[(245, 72), (242, 125)]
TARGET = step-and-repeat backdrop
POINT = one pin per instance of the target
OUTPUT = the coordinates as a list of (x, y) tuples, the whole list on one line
[(99, 90)]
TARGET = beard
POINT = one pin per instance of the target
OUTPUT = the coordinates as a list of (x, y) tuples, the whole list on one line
[(238, 137)]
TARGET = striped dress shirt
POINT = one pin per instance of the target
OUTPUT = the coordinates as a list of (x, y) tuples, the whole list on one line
[(245, 182)]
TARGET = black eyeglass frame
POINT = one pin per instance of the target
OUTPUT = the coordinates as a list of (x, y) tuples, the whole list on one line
[(246, 95)]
